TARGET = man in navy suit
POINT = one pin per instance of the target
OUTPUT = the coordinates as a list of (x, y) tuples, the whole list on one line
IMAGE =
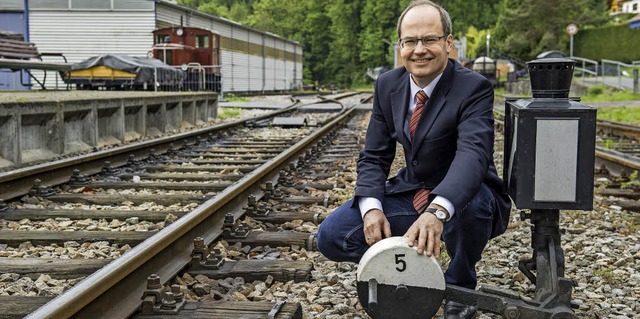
[(442, 115)]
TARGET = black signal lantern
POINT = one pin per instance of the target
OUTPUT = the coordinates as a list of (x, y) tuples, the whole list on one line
[(550, 142)]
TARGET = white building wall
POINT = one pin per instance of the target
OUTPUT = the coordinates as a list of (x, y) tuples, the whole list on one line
[(631, 6), (256, 59), (269, 65), (241, 71), (280, 68)]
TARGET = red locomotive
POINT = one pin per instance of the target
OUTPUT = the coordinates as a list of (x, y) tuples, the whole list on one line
[(195, 50)]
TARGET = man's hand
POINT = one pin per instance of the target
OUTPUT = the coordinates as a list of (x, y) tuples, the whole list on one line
[(375, 225), (427, 230)]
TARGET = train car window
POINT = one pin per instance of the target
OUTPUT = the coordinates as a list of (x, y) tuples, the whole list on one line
[(202, 41), (162, 38), (165, 56)]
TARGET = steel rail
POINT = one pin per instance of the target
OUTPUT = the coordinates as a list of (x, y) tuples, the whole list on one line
[(617, 162), (621, 129), (115, 291), (18, 182)]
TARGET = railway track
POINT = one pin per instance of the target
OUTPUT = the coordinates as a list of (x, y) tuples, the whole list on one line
[(197, 257), (116, 226)]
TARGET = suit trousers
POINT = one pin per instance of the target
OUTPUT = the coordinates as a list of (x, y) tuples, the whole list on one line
[(340, 236)]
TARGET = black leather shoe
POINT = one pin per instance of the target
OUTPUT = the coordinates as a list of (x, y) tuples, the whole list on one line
[(456, 310)]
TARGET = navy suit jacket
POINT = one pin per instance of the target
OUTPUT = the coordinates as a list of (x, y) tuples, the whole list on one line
[(452, 150)]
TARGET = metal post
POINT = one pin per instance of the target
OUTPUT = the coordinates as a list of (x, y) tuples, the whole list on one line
[(636, 87), (488, 42), (571, 47), (619, 76), (395, 55)]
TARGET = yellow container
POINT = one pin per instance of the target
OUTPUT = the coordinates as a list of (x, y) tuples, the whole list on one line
[(101, 73)]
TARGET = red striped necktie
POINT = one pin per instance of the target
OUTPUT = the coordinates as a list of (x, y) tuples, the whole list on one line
[(421, 197)]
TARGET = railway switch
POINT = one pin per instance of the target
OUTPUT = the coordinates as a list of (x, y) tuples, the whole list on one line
[(395, 282)]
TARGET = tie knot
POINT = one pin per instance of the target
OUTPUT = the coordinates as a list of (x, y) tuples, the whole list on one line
[(421, 96)]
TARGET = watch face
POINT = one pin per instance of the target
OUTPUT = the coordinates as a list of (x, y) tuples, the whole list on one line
[(441, 214)]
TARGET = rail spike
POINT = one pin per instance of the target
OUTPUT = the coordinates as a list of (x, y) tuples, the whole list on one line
[(232, 229), (203, 258), (157, 300)]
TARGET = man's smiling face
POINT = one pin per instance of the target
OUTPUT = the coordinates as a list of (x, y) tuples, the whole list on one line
[(424, 62)]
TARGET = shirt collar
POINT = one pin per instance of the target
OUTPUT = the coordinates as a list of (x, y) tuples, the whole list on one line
[(427, 89)]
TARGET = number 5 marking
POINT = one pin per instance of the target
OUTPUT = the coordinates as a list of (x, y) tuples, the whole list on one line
[(402, 265)]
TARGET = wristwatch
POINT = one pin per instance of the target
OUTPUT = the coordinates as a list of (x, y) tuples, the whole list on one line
[(440, 214)]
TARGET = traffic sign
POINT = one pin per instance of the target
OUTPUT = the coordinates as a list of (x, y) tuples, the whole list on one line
[(572, 29)]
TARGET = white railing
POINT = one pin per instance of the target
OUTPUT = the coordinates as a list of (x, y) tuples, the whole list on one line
[(583, 64), (196, 77), (625, 79)]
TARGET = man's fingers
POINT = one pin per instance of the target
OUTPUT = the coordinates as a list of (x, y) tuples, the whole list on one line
[(411, 235), (430, 243), (422, 239), (387, 229), (436, 248)]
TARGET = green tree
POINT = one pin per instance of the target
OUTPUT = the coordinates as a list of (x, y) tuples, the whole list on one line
[(481, 15), (282, 17), (316, 41), (476, 41), (342, 62), (528, 27), (378, 22)]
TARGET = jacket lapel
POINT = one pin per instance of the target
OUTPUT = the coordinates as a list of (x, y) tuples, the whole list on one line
[(399, 107)]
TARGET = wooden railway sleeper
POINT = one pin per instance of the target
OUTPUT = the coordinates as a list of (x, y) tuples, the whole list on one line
[(276, 308), (157, 300), (202, 258)]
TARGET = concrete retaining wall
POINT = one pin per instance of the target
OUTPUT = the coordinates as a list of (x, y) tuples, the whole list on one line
[(35, 131)]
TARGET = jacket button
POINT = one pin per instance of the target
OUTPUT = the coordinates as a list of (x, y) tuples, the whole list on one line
[(415, 162)]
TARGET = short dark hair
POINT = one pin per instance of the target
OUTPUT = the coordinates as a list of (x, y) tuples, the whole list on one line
[(445, 20)]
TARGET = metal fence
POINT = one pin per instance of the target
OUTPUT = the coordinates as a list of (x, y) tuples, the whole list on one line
[(608, 72), (192, 77), (195, 77)]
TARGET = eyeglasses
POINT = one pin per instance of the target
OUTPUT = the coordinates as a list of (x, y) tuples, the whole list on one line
[(412, 43)]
